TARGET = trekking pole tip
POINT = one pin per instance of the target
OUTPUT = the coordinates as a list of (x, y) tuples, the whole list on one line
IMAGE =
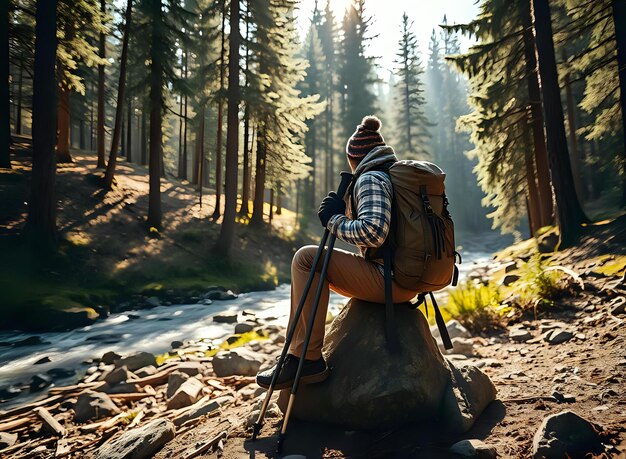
[(255, 430), (279, 443)]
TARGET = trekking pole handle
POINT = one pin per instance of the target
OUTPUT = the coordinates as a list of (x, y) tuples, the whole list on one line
[(346, 178)]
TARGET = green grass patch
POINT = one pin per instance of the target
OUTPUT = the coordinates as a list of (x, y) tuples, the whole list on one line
[(476, 306)]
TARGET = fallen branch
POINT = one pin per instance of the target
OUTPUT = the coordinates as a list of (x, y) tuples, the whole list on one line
[(208, 445), (29, 407)]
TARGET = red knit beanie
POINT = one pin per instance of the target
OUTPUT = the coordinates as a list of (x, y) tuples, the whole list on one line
[(366, 137)]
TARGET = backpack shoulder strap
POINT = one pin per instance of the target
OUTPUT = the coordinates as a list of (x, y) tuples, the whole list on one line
[(390, 329)]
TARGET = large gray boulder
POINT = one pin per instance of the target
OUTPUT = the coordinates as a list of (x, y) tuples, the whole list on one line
[(140, 442), (93, 405), (239, 361), (370, 388)]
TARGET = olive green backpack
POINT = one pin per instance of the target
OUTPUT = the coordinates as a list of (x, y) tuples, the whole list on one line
[(420, 245)]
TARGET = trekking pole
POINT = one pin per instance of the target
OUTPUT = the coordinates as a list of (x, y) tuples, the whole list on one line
[(346, 177)]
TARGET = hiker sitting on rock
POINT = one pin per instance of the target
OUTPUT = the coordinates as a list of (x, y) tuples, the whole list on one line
[(349, 274)]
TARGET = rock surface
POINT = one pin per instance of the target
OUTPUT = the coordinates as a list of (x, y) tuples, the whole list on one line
[(139, 443), (187, 394), (136, 361), (240, 361), (473, 448), (369, 387), (93, 405), (565, 434)]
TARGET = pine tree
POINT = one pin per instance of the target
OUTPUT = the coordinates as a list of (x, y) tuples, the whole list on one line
[(110, 169), (410, 119), (227, 229), (569, 211), (282, 111), (42, 205), (101, 81), (79, 22), (163, 23), (356, 70)]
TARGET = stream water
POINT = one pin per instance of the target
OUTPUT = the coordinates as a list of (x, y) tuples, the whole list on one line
[(151, 330)]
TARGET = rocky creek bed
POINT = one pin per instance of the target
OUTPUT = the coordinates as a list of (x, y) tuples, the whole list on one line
[(560, 380)]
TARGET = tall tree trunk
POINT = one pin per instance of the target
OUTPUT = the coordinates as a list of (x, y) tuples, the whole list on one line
[(544, 185), (220, 120), (121, 86), (227, 230), (20, 91), (532, 202), (573, 139), (63, 127), (42, 205), (129, 130), (244, 210), (569, 212), (144, 132), (81, 133), (619, 19), (156, 88), (91, 119), (180, 137), (101, 134), (271, 206), (5, 100), (184, 168), (279, 199), (259, 180), (200, 148)]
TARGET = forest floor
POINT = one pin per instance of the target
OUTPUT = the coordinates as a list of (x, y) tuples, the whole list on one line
[(584, 373), (107, 255)]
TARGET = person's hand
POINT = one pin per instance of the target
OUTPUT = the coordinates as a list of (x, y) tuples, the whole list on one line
[(331, 205)]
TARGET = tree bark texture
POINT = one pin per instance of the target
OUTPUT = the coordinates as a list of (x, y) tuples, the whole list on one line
[(100, 132), (619, 19), (5, 100)]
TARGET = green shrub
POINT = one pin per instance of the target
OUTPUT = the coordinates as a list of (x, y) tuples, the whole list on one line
[(539, 284), (476, 306)]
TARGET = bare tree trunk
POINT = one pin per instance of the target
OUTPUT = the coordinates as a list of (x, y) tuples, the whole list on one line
[(101, 121), (544, 186), (110, 172), (144, 132), (573, 139), (271, 206), (227, 230), (184, 168), (532, 202), (63, 127), (259, 181), (619, 19), (156, 156), (5, 100), (570, 214), (279, 199), (20, 91), (200, 148), (220, 120), (42, 205), (129, 130), (244, 210)]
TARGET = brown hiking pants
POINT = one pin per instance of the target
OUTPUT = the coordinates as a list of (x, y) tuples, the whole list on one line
[(349, 275)]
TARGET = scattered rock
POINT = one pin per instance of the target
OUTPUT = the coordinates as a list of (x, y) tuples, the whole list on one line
[(240, 361), (110, 357), (136, 361), (565, 434), (177, 344), (38, 382), (118, 375), (45, 359), (226, 317), (558, 336), (520, 335), (190, 368), (473, 448), (153, 301), (174, 381), (120, 388), (563, 398), (49, 424), (146, 371), (7, 439), (455, 330), (187, 394), (220, 295), (93, 405), (11, 391), (462, 346), (244, 327), (618, 305), (140, 442), (202, 408)]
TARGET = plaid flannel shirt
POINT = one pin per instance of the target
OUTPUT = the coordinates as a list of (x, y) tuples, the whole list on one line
[(373, 193)]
